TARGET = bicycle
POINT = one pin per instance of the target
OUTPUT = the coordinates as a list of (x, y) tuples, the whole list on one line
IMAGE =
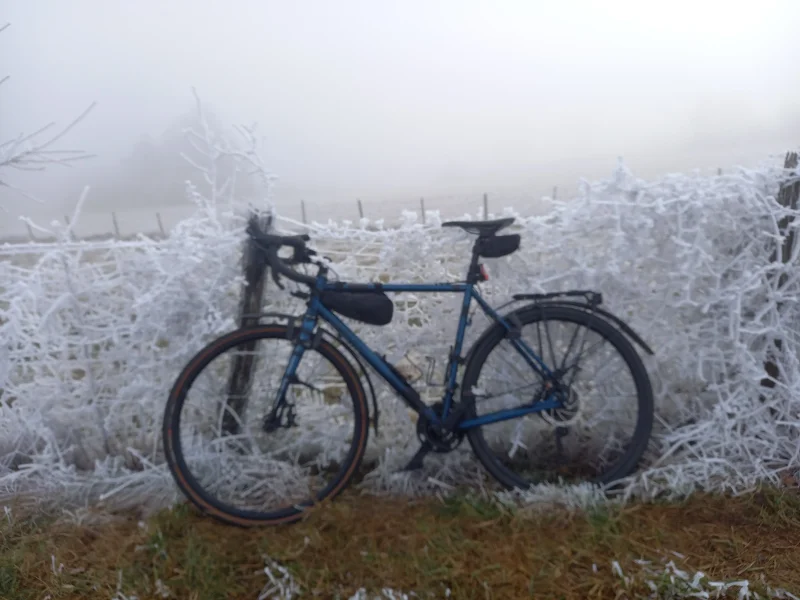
[(554, 397)]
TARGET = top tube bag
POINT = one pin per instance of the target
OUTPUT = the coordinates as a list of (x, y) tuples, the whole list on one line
[(373, 308)]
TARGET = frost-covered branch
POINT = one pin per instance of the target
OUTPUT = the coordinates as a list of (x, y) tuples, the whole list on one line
[(214, 148), (29, 152), (94, 334), (35, 151)]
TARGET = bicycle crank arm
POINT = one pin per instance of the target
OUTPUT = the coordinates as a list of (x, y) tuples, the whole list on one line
[(417, 461)]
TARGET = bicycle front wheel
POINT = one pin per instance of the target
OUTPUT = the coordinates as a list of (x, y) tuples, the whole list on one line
[(604, 427), (232, 462)]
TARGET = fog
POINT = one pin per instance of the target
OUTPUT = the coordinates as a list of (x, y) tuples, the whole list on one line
[(390, 101)]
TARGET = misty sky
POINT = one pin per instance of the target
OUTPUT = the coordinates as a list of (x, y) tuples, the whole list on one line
[(414, 97)]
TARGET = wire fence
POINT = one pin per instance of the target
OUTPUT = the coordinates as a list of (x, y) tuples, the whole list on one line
[(157, 222), (91, 226)]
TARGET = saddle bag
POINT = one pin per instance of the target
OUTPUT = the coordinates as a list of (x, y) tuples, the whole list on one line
[(499, 245), (373, 308)]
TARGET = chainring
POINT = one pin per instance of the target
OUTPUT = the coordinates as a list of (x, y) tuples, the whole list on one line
[(438, 441)]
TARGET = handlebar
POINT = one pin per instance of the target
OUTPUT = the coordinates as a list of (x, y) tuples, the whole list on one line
[(271, 243)]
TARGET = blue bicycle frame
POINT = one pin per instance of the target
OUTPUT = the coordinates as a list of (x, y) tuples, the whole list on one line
[(317, 310)]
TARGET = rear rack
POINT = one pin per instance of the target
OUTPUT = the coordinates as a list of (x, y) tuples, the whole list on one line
[(593, 298)]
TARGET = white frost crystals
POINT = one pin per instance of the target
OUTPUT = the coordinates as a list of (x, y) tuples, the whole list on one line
[(95, 333), (666, 580)]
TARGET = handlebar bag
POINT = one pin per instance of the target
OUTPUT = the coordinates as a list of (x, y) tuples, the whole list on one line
[(373, 308)]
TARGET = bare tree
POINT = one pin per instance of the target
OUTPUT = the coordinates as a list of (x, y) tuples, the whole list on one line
[(156, 169), (35, 151)]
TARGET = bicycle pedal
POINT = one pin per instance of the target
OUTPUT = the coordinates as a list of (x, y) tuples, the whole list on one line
[(417, 461)]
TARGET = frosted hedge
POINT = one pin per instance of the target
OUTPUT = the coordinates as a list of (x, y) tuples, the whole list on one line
[(94, 334)]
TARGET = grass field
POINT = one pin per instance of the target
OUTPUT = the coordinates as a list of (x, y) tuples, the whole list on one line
[(465, 545)]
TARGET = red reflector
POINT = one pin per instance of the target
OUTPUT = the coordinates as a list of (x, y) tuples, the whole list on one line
[(484, 274)]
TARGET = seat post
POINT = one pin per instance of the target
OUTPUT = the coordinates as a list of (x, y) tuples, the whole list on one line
[(474, 273)]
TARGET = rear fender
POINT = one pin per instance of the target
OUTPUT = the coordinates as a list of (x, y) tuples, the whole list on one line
[(623, 326), (592, 302)]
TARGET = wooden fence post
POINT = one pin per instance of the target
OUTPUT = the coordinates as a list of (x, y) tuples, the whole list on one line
[(303, 211), (160, 225), (71, 233), (241, 375), (116, 225), (422, 209), (360, 209), (788, 196), (485, 206)]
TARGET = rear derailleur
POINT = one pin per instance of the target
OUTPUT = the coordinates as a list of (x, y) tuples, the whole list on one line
[(567, 395)]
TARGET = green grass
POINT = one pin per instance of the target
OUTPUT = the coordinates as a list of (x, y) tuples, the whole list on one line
[(463, 543)]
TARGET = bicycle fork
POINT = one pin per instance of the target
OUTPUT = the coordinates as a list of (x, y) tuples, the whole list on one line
[(304, 340)]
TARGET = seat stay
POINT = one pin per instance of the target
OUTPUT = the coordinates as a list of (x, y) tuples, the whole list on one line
[(533, 360)]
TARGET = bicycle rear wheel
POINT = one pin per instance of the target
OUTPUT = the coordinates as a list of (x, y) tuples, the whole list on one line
[(228, 463), (584, 441)]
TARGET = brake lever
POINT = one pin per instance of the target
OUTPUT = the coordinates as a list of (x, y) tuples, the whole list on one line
[(272, 257), (277, 278)]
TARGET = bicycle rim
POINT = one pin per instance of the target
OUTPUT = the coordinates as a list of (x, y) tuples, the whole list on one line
[(218, 450), (581, 443)]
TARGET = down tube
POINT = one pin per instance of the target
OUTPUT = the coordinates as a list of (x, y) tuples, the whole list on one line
[(407, 392)]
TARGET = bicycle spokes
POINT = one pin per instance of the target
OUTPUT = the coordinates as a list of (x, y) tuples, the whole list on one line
[(590, 384), (268, 451)]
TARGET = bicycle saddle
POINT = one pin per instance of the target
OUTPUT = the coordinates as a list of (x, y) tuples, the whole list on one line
[(482, 228)]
